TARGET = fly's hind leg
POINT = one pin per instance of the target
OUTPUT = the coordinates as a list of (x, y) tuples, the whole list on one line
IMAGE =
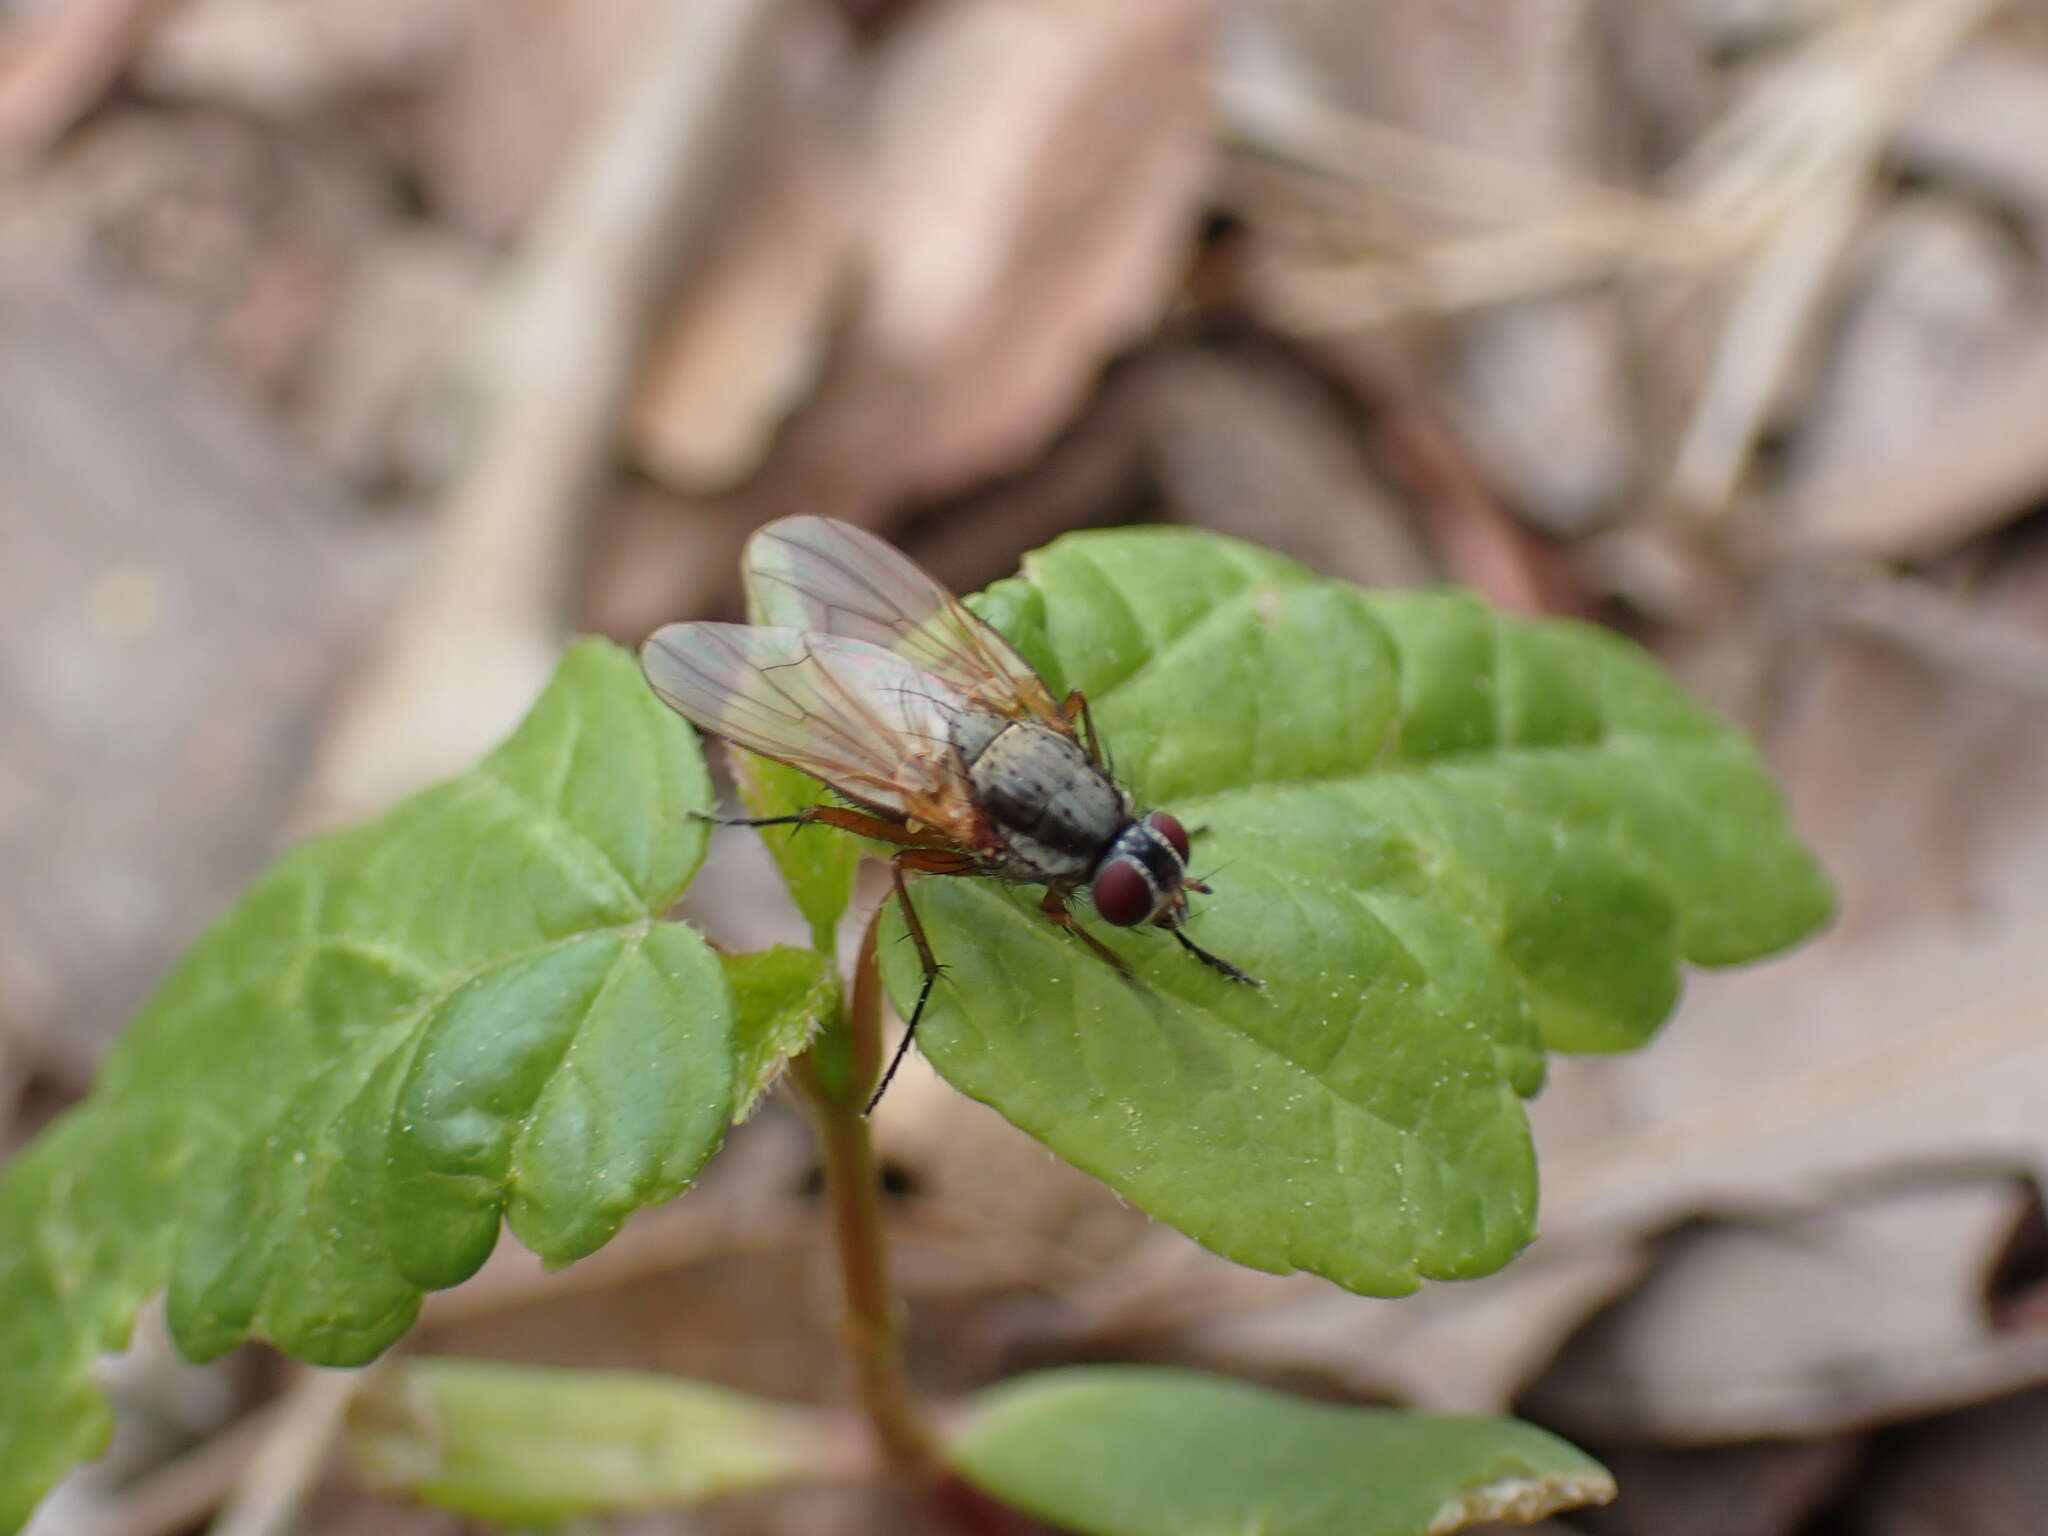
[(923, 861), (847, 820)]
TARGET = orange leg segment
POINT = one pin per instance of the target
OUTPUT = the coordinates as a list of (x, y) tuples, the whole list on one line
[(1075, 707), (865, 823), (1055, 907)]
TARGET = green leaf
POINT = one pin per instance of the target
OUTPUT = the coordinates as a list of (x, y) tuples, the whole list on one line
[(463, 1012), (781, 997), (528, 1445), (818, 864), (1446, 840), (1131, 1451)]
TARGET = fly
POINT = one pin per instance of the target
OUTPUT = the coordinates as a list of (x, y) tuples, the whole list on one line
[(861, 670)]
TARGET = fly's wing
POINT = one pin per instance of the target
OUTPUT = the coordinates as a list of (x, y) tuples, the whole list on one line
[(812, 573), (867, 722)]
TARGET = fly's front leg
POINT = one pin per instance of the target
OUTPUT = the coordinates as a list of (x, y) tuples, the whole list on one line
[(923, 861), (1055, 907), (1214, 962)]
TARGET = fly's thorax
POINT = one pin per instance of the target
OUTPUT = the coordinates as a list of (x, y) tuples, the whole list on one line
[(1055, 810)]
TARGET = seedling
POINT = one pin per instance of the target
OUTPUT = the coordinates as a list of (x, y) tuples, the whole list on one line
[(1453, 841)]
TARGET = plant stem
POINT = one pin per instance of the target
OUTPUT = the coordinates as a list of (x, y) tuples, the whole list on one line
[(870, 1325)]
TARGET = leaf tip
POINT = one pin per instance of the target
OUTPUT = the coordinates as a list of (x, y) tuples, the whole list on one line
[(1523, 1499)]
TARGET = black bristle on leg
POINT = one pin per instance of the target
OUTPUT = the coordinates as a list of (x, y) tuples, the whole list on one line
[(1214, 962)]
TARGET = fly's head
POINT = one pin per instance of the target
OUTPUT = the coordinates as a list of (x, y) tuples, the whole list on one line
[(1144, 876)]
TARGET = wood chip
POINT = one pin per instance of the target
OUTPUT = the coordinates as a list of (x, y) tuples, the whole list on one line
[(748, 339), (1037, 174), (174, 545)]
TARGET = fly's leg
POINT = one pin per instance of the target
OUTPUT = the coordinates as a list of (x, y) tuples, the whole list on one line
[(1055, 907), (1214, 962), (879, 828), (924, 861), (1075, 707), (924, 853)]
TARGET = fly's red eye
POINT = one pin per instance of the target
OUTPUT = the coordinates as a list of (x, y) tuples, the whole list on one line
[(1169, 827), (1122, 893)]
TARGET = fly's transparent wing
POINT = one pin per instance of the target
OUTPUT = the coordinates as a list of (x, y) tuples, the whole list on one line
[(868, 722), (812, 573)]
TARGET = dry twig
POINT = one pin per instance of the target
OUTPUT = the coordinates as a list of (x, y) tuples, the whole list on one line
[(1818, 124), (178, 1495), (292, 1455), (1989, 458), (1794, 161)]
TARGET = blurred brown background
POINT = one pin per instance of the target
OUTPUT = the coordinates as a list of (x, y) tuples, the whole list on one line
[(353, 355)]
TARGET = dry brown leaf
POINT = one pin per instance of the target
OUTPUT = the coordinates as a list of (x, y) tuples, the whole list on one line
[(56, 63), (1974, 1474), (1254, 449), (747, 341), (1793, 165), (1872, 1309), (1981, 123), (1744, 1490), (374, 404), (298, 58), (495, 128), (1539, 388), (1989, 463), (1470, 530), (1542, 393), (1757, 24), (1468, 1348), (1907, 1036), (479, 629), (991, 1210), (1940, 299), (1910, 1043), (1665, 82), (652, 556), (1037, 171), (172, 547), (1095, 473), (1517, 81), (750, 1228), (238, 234), (1110, 1282)]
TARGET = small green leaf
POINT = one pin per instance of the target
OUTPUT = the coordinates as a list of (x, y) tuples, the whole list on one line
[(781, 997), (528, 1445), (1132, 1451), (463, 1012), (818, 864), (1446, 840)]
